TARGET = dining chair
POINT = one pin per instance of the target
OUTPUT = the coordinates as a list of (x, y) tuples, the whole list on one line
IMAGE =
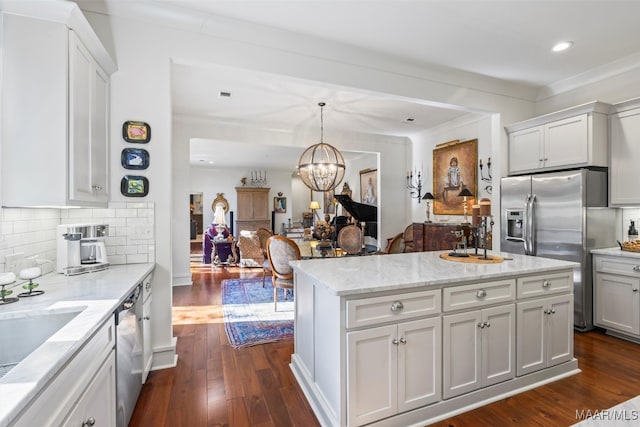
[(263, 236), (281, 250)]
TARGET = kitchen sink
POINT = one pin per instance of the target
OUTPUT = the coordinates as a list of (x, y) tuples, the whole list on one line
[(23, 333)]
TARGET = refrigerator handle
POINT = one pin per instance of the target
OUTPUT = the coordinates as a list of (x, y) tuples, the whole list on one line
[(525, 226), (532, 225)]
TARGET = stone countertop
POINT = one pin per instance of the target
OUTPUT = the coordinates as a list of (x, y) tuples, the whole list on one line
[(96, 294), (363, 274), (616, 252)]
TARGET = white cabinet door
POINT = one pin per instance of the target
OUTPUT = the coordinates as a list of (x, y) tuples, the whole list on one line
[(624, 173), (617, 303), (147, 350), (566, 142), (372, 362), (530, 333), (461, 353), (88, 100), (419, 363), (498, 344), (559, 329), (526, 149), (544, 333), (97, 406), (478, 349)]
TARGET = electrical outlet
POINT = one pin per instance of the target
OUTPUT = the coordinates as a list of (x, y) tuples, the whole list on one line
[(12, 262)]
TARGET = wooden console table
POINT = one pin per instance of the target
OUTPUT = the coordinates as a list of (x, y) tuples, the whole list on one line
[(436, 236)]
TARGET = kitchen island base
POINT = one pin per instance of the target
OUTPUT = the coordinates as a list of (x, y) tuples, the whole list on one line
[(438, 411), (411, 339)]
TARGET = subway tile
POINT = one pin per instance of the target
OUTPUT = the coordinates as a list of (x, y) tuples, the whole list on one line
[(137, 259)]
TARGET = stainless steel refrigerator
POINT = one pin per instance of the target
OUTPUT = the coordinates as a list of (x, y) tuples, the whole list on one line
[(560, 215)]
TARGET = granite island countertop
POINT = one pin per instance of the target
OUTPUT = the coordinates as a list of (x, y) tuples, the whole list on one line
[(96, 295), (375, 273)]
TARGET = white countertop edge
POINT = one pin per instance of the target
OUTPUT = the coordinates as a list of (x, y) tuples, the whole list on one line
[(616, 251), (98, 293)]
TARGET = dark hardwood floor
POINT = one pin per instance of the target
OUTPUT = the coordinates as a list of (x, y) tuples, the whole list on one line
[(216, 385)]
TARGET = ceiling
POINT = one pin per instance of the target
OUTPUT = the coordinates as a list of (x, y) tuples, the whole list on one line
[(507, 40)]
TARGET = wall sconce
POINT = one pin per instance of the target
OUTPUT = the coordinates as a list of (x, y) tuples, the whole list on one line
[(488, 188), (414, 187), (428, 197), (465, 193)]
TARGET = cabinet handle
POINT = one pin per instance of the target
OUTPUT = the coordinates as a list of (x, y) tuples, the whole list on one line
[(546, 284), (636, 268), (403, 341), (147, 285), (397, 306), (147, 318), (635, 290), (90, 422), (97, 188), (481, 293), (394, 341)]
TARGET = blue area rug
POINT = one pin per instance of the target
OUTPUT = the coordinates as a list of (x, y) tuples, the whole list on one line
[(249, 317)]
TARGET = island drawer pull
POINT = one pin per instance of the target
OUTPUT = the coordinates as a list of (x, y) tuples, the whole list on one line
[(397, 306), (636, 268), (546, 284), (481, 293)]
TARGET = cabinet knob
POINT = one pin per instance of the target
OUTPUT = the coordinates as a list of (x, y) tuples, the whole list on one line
[(397, 306), (394, 341), (481, 293), (635, 290), (480, 325), (97, 187), (487, 324), (552, 311), (403, 340), (636, 268), (90, 422), (546, 284), (147, 318)]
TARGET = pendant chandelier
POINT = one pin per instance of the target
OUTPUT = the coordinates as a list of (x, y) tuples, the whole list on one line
[(321, 166)]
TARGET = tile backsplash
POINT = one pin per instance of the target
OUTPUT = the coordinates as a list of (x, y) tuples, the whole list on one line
[(32, 232)]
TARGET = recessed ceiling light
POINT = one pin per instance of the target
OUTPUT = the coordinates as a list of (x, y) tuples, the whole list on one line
[(559, 47)]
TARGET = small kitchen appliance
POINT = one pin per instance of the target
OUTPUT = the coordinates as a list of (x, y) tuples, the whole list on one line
[(81, 248)]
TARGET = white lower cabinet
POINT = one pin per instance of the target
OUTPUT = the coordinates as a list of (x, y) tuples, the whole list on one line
[(617, 302), (478, 349), (83, 391), (392, 369), (97, 404), (544, 333)]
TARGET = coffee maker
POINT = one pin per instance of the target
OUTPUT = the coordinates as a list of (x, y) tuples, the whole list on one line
[(81, 249)]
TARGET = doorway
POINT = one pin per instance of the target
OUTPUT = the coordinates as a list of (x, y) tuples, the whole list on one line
[(196, 226)]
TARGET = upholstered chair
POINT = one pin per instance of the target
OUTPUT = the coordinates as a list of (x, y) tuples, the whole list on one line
[(281, 250), (395, 245), (251, 253), (408, 238)]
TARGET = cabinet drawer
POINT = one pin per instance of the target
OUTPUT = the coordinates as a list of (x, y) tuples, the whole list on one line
[(371, 311), (618, 265), (535, 286), (478, 295)]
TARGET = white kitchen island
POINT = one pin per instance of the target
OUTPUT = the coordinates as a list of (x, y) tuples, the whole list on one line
[(410, 339)]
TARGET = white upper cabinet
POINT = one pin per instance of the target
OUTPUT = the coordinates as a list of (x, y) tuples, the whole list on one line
[(624, 173), (55, 110), (570, 138)]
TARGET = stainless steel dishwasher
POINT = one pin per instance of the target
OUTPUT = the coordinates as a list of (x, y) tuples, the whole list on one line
[(128, 374)]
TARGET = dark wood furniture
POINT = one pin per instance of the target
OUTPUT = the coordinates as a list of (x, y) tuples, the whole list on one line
[(437, 236)]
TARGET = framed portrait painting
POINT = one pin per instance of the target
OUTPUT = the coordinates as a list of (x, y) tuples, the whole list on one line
[(280, 204), (369, 187), (454, 168)]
